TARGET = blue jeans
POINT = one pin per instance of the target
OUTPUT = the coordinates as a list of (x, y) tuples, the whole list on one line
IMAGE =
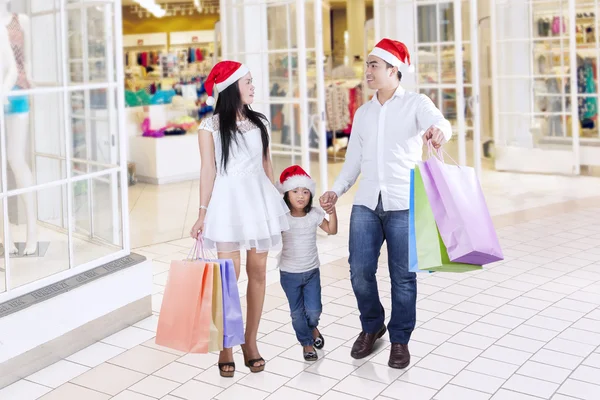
[(303, 291), (368, 230)]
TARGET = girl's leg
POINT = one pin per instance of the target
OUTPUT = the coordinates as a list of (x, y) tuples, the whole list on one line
[(256, 268), (312, 300), (227, 354)]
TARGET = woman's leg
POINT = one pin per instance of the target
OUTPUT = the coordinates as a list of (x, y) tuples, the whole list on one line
[(256, 268), (227, 354)]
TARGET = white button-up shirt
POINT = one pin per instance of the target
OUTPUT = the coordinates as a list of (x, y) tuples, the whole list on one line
[(385, 144)]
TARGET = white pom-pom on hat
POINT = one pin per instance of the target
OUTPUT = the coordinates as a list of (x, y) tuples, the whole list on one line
[(210, 101)]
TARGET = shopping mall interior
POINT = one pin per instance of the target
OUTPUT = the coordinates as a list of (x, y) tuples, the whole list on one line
[(100, 166)]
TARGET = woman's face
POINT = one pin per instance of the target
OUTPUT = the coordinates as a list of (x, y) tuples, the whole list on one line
[(246, 89)]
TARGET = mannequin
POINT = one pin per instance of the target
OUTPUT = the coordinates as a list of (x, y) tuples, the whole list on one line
[(16, 34)]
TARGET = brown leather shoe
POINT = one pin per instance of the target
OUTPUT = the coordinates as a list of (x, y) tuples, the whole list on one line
[(363, 346), (399, 356)]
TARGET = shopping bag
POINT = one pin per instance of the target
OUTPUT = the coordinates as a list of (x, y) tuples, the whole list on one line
[(216, 326), (413, 262), (460, 212), (186, 311), (233, 323), (430, 249)]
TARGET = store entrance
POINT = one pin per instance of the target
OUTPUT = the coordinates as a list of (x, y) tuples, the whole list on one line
[(282, 44)]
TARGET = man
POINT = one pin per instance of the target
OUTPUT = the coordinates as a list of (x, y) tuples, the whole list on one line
[(386, 143)]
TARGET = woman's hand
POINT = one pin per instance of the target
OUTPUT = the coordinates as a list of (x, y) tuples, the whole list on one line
[(198, 228)]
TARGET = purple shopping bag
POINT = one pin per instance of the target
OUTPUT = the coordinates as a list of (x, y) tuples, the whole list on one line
[(233, 323), (460, 212)]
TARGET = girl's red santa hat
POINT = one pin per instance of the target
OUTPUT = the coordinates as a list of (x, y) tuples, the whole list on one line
[(223, 75), (395, 53), (295, 177)]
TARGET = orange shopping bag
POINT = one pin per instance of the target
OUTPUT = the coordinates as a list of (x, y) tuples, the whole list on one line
[(216, 327), (186, 312)]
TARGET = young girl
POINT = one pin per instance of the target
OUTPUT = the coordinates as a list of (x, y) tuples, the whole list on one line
[(299, 259)]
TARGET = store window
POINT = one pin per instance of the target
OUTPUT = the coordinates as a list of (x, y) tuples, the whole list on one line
[(546, 84), (62, 184)]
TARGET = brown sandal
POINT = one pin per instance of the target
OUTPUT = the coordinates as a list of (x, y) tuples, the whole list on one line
[(255, 368), (226, 374)]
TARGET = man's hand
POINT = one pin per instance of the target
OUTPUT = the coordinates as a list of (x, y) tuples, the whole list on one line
[(436, 136), (328, 200)]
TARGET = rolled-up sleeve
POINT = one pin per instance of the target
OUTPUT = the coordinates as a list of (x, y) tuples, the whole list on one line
[(429, 115)]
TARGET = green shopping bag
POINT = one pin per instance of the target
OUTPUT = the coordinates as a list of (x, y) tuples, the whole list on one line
[(431, 251)]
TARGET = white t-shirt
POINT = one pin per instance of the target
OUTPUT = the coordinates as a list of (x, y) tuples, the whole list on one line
[(299, 253)]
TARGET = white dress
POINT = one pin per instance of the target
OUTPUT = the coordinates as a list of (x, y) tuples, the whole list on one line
[(246, 210)]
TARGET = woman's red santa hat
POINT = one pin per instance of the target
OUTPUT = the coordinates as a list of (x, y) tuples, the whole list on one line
[(295, 177), (395, 53), (223, 75)]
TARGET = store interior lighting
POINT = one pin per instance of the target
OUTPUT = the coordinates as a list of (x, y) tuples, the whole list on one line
[(153, 8)]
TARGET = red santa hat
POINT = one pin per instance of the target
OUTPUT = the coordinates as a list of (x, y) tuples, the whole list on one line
[(295, 177), (395, 53), (223, 75)]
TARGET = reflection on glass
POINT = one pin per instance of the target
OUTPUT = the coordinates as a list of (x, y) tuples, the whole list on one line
[(433, 94), (94, 144), (44, 135), (446, 18), (448, 70), (449, 105), (46, 239), (2, 250), (427, 23), (97, 218), (428, 65), (281, 26)]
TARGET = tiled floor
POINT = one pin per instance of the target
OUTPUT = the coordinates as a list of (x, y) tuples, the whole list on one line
[(527, 328)]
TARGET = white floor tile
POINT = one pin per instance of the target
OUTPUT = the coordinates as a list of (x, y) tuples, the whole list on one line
[(129, 395), (154, 386), (472, 340), (580, 390), (442, 364), (312, 383), (23, 390), (237, 392), (504, 354), (378, 373), (335, 395), (287, 393), (516, 311), (504, 321), (96, 354), (331, 369), (442, 326), (483, 329), (552, 324), (504, 394), (424, 335), (528, 331), (58, 374), (130, 337), (360, 387), (520, 343), (581, 336), (457, 352), (477, 381), (587, 374), (544, 372), (557, 359), (531, 386), (570, 347), (452, 392), (593, 360), (491, 367), (265, 381), (195, 390), (407, 391), (426, 377)]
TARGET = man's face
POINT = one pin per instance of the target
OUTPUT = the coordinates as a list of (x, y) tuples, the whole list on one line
[(378, 75)]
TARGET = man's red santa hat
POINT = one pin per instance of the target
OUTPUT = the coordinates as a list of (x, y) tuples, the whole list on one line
[(223, 75), (295, 177), (395, 53)]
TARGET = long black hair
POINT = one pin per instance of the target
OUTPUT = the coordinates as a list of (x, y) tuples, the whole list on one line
[(229, 106)]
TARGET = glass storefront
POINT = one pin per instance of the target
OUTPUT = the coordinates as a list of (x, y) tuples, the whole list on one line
[(63, 170)]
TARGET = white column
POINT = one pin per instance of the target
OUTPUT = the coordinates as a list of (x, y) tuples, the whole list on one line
[(356, 18)]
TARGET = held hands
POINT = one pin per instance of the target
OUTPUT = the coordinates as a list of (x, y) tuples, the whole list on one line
[(197, 228), (436, 136), (327, 201)]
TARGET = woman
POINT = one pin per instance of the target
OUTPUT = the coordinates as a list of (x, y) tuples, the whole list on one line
[(240, 208)]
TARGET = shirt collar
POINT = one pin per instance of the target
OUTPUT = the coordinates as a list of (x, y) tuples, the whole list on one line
[(398, 93)]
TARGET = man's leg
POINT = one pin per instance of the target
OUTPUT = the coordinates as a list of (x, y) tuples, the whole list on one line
[(404, 287), (366, 238)]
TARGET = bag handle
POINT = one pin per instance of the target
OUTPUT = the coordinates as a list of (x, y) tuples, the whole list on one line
[(432, 151)]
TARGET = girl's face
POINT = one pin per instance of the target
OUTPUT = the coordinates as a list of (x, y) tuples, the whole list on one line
[(299, 198), (246, 89)]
